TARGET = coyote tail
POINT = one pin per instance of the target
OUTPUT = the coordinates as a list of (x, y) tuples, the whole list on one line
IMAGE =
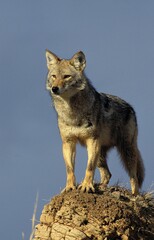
[(140, 169)]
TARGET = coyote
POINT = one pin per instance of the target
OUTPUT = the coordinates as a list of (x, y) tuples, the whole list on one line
[(98, 121)]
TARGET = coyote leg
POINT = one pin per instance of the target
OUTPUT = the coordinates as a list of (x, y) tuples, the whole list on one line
[(69, 151), (93, 149)]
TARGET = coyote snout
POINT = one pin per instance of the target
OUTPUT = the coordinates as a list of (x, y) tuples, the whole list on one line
[(98, 121), (56, 90)]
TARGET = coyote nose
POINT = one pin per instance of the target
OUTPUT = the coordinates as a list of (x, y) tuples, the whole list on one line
[(55, 90)]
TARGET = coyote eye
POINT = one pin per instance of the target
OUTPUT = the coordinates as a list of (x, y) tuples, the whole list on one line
[(67, 76), (53, 76)]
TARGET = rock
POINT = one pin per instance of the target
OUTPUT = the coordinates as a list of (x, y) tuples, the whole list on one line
[(108, 214)]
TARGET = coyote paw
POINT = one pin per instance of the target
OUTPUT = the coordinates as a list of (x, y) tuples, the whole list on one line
[(68, 189), (85, 187)]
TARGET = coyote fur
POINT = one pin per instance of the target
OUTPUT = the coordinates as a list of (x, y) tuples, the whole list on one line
[(98, 121)]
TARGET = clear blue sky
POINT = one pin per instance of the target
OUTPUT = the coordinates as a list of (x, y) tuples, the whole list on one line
[(117, 38)]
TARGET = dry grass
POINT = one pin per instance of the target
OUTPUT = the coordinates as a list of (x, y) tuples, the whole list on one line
[(34, 217), (23, 236), (33, 220)]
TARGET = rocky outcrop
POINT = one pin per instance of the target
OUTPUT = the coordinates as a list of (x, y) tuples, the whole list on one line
[(111, 213)]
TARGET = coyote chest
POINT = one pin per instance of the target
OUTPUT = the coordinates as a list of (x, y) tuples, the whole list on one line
[(75, 121)]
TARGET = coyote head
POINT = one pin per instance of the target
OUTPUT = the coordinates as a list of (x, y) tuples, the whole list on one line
[(65, 77)]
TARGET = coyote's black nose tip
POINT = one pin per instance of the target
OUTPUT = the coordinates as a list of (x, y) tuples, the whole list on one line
[(55, 90)]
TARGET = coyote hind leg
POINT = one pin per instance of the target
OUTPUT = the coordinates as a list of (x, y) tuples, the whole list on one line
[(133, 164), (103, 167)]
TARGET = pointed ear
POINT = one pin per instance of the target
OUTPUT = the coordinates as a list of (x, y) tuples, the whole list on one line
[(78, 61), (51, 58)]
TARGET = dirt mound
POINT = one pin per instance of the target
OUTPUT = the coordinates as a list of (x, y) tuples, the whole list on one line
[(111, 213)]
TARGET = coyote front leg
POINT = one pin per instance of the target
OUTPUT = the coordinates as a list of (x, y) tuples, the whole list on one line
[(93, 149), (69, 151)]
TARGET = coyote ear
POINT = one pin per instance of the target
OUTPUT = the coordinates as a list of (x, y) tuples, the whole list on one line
[(51, 58), (78, 61)]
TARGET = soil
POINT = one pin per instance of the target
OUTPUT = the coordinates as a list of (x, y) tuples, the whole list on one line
[(109, 214)]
